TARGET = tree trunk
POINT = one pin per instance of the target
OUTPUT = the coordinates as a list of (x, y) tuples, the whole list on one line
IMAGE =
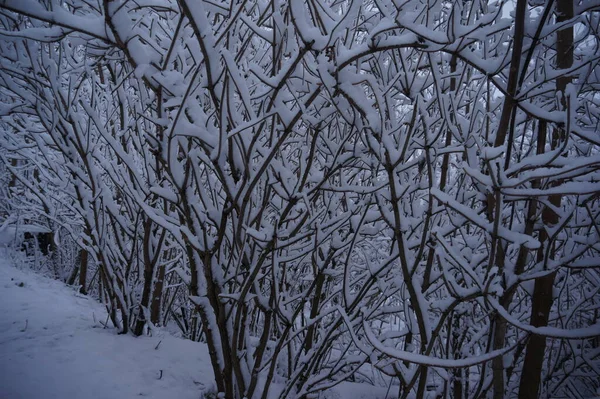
[(493, 200), (148, 275), (157, 296), (534, 356), (83, 267), (542, 293)]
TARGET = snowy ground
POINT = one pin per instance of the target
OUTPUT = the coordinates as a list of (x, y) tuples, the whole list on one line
[(53, 345)]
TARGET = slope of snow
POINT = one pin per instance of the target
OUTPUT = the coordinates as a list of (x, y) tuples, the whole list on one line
[(53, 345)]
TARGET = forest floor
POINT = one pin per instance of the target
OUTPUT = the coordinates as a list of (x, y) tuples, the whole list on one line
[(53, 344)]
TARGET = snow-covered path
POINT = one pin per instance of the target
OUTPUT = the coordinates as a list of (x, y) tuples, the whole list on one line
[(52, 345)]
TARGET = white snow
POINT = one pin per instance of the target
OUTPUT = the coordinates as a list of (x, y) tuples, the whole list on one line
[(53, 345)]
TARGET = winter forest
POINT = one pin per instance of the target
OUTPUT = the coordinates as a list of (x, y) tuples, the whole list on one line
[(402, 193)]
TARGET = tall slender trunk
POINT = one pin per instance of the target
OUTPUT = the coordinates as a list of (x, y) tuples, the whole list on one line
[(493, 203), (83, 268), (157, 295), (148, 275), (542, 299)]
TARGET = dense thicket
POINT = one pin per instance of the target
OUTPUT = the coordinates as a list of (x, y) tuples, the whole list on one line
[(395, 192)]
